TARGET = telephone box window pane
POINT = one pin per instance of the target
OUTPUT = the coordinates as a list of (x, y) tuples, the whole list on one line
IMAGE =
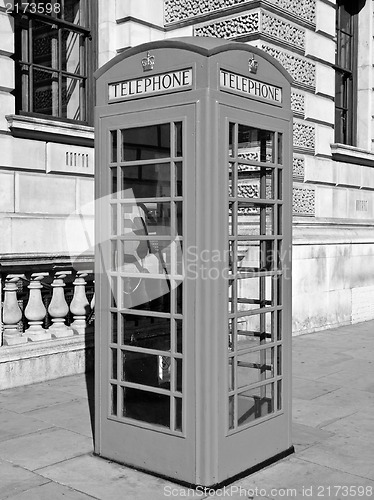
[(179, 257), (179, 299), (151, 218), (231, 138), (114, 329), (146, 143), (146, 332), (231, 219), (279, 360), (178, 414), (279, 395), (146, 406), (254, 330), (178, 179), (254, 367), (280, 224), (255, 144), (254, 293), (231, 412), (146, 181), (114, 292), (179, 335), (280, 149), (255, 182), (255, 256), (113, 182), (255, 403), (113, 409), (178, 139), (255, 220), (280, 185), (279, 325), (146, 369), (179, 375), (114, 364), (113, 255), (278, 284), (231, 374), (148, 294), (179, 218), (231, 335), (231, 178), (114, 219), (113, 150)]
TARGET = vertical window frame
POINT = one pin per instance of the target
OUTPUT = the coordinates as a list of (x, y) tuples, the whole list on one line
[(25, 65), (346, 122)]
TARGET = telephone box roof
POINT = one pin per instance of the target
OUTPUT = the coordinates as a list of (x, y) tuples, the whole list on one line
[(206, 46)]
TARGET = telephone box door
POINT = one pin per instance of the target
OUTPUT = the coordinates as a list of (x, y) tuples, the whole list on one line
[(146, 368), (256, 156)]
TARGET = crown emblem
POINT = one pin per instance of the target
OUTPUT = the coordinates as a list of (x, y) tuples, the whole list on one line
[(148, 62), (252, 65)]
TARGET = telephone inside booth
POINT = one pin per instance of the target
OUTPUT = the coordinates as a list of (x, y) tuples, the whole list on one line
[(194, 175)]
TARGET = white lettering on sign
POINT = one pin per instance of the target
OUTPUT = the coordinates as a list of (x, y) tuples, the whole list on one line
[(250, 88), (151, 84)]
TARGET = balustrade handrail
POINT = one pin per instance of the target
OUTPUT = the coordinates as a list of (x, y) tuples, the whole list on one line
[(51, 304)]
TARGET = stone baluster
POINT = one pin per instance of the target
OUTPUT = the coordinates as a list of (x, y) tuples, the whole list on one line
[(79, 306), (58, 307), (12, 313), (35, 310)]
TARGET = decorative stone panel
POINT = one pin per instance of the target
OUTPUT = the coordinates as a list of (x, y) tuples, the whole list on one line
[(303, 9), (230, 28), (303, 136), (255, 22), (298, 167), (282, 30), (303, 201), (302, 71), (180, 10), (297, 103)]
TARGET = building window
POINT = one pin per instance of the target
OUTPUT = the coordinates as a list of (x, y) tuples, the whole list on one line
[(54, 58), (345, 74)]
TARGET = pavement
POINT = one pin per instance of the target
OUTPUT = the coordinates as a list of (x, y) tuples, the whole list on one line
[(46, 447)]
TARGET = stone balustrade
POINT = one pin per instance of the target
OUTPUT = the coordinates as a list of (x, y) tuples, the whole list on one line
[(46, 305)]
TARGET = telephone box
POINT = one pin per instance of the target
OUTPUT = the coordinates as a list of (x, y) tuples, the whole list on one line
[(193, 267)]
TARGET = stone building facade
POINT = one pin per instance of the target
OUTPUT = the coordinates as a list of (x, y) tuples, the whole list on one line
[(47, 139)]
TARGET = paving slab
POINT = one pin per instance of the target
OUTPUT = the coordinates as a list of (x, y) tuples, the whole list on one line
[(304, 436), (303, 388), (347, 397), (348, 454), (360, 424), (41, 449), (19, 400), (14, 479), (318, 364), (17, 424), (358, 374), (77, 385), (50, 491), (293, 477), (318, 414), (73, 416), (106, 480)]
